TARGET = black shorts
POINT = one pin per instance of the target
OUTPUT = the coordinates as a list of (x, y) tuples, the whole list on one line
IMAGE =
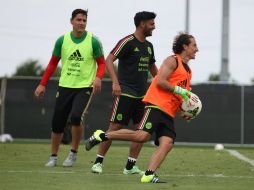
[(70, 106), (126, 108), (155, 120)]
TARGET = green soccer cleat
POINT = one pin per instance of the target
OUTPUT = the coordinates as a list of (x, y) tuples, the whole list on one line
[(94, 140), (134, 170), (150, 179), (97, 168)]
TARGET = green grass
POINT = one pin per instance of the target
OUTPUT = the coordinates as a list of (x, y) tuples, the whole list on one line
[(185, 168)]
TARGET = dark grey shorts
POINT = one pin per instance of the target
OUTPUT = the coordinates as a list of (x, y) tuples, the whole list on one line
[(70, 105)]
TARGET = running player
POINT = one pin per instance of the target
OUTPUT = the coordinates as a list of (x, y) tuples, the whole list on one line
[(163, 99), (136, 59)]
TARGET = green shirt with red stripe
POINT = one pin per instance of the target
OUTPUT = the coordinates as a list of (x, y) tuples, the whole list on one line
[(78, 59)]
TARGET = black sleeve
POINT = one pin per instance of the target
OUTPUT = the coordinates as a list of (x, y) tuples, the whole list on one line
[(152, 60), (122, 48)]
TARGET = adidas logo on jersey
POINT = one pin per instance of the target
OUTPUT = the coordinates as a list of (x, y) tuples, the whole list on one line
[(76, 56), (136, 49)]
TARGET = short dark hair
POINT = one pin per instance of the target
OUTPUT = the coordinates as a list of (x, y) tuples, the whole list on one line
[(78, 11), (180, 40), (143, 16)]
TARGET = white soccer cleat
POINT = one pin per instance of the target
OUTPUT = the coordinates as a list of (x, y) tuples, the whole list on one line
[(97, 168), (52, 161), (70, 160)]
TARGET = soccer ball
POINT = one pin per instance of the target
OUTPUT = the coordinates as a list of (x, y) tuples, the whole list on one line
[(192, 107), (6, 138), (218, 147)]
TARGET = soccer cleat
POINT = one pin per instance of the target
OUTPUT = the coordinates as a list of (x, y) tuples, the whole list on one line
[(94, 140), (52, 161), (70, 160), (97, 168), (150, 179), (134, 170)]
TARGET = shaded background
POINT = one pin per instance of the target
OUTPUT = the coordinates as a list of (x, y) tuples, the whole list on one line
[(226, 116)]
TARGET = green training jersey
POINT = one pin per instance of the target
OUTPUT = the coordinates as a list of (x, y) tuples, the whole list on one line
[(78, 57)]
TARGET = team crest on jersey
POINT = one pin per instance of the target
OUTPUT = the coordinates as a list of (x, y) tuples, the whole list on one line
[(149, 125), (149, 50), (119, 117)]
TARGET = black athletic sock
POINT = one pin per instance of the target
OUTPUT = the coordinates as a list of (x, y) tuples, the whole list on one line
[(149, 172), (130, 163), (74, 151), (54, 155), (99, 159), (104, 136)]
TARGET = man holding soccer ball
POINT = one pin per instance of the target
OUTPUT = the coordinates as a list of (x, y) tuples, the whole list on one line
[(163, 99)]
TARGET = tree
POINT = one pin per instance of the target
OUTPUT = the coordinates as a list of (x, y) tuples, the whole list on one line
[(29, 68), (33, 68), (252, 81), (214, 77)]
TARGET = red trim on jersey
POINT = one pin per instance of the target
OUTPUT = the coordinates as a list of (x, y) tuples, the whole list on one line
[(113, 111), (120, 43), (101, 67), (50, 69), (141, 123)]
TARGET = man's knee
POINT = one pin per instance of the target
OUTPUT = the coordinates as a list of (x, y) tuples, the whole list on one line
[(143, 136), (114, 127), (166, 143), (57, 129), (75, 120)]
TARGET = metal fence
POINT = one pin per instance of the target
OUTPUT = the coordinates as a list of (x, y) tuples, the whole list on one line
[(226, 115)]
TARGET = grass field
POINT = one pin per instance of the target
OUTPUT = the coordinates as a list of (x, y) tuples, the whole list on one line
[(186, 168)]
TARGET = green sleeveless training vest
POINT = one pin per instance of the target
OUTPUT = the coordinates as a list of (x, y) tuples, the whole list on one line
[(78, 63)]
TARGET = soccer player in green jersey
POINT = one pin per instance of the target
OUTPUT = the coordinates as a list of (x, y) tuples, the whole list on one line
[(83, 67), (136, 58)]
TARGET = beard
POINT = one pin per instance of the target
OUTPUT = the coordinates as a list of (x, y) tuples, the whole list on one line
[(148, 33)]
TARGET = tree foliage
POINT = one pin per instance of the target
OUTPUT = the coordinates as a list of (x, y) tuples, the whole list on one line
[(252, 80), (214, 77), (33, 68), (29, 68)]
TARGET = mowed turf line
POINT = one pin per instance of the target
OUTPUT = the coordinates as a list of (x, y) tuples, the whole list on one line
[(186, 168)]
